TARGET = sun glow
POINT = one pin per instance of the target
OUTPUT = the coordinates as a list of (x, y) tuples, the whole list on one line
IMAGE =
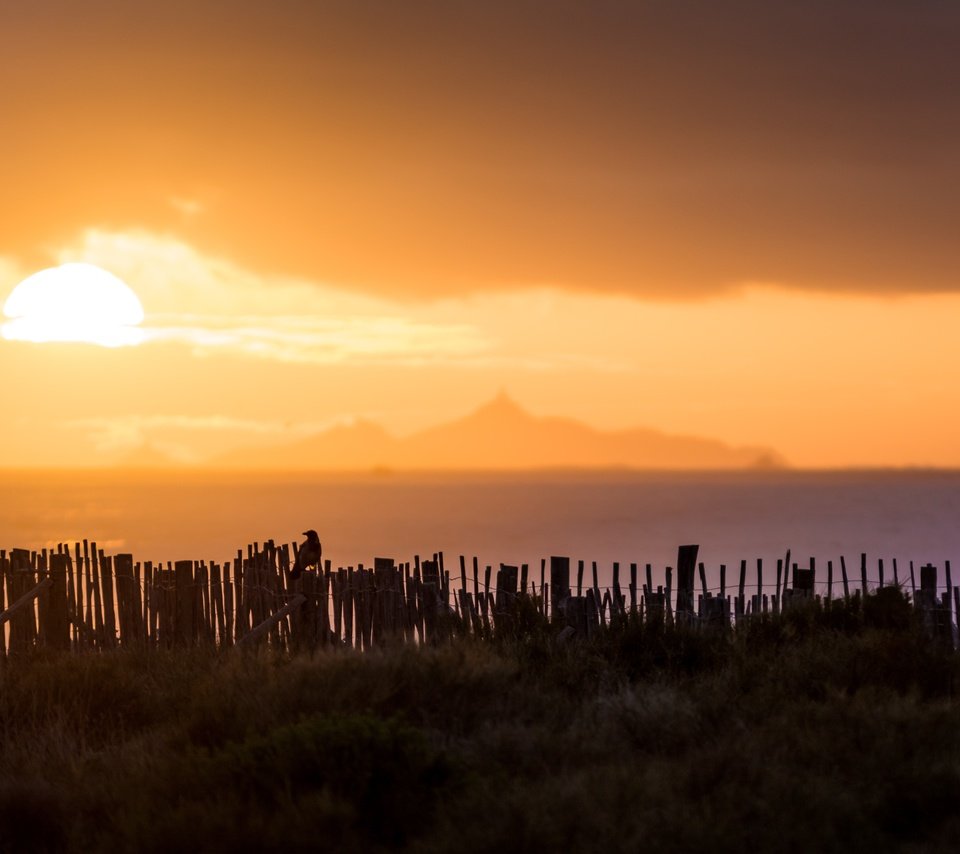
[(73, 302)]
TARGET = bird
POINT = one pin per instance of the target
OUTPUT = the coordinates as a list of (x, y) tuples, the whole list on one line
[(308, 554)]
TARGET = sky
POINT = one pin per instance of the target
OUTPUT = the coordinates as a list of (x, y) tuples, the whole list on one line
[(730, 220)]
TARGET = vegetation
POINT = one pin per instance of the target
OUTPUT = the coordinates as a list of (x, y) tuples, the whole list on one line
[(827, 728)]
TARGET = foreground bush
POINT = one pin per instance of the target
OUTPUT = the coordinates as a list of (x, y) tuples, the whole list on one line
[(825, 729)]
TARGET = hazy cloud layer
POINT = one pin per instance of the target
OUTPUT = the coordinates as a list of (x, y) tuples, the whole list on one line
[(185, 438), (215, 306), (665, 149)]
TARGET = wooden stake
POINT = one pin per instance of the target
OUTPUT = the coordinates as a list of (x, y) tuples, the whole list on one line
[(669, 594), (759, 577), (184, 619), (57, 630), (946, 566), (596, 587), (271, 622), (25, 600), (109, 609), (476, 579), (616, 590), (743, 582), (97, 604)]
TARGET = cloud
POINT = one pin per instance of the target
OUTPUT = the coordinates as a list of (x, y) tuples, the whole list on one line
[(187, 208), (396, 340), (666, 150), (189, 438), (217, 307)]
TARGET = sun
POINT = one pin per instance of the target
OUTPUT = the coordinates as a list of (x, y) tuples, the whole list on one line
[(73, 302)]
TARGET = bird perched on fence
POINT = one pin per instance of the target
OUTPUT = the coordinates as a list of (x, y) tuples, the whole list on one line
[(308, 554)]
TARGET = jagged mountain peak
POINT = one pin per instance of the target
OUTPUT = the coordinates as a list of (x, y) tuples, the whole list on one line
[(501, 406)]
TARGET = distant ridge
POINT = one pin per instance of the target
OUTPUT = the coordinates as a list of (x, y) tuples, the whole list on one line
[(499, 435)]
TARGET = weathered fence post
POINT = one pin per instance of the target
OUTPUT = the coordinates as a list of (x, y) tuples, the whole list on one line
[(559, 584), (21, 581), (3, 584), (928, 595), (123, 566), (506, 596), (592, 612), (109, 599), (303, 620), (778, 594), (656, 609), (576, 616), (949, 603), (366, 609), (803, 580), (597, 598), (616, 597), (759, 608), (742, 605), (487, 600), (57, 629), (431, 599), (184, 619), (686, 565)]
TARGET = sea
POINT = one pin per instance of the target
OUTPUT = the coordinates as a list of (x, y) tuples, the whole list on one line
[(514, 518)]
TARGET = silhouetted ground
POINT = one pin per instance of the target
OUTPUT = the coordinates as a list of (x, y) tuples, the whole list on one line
[(811, 732)]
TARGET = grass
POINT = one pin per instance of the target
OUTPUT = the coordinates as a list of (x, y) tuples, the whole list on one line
[(824, 729)]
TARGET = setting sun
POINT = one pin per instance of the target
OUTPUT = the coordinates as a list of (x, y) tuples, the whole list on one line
[(73, 302)]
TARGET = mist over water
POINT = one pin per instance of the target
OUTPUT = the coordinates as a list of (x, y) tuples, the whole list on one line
[(510, 518)]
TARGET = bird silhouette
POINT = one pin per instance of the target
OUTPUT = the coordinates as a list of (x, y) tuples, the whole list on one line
[(308, 554)]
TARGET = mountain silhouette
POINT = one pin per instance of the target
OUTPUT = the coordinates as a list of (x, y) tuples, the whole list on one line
[(500, 435)]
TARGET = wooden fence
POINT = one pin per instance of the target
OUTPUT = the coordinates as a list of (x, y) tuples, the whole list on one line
[(78, 598)]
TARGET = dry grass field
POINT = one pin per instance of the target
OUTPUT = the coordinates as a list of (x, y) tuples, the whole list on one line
[(820, 729)]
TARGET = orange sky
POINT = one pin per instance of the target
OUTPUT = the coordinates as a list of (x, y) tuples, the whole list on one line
[(730, 220)]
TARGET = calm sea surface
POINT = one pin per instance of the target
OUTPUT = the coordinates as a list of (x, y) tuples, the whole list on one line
[(606, 517)]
